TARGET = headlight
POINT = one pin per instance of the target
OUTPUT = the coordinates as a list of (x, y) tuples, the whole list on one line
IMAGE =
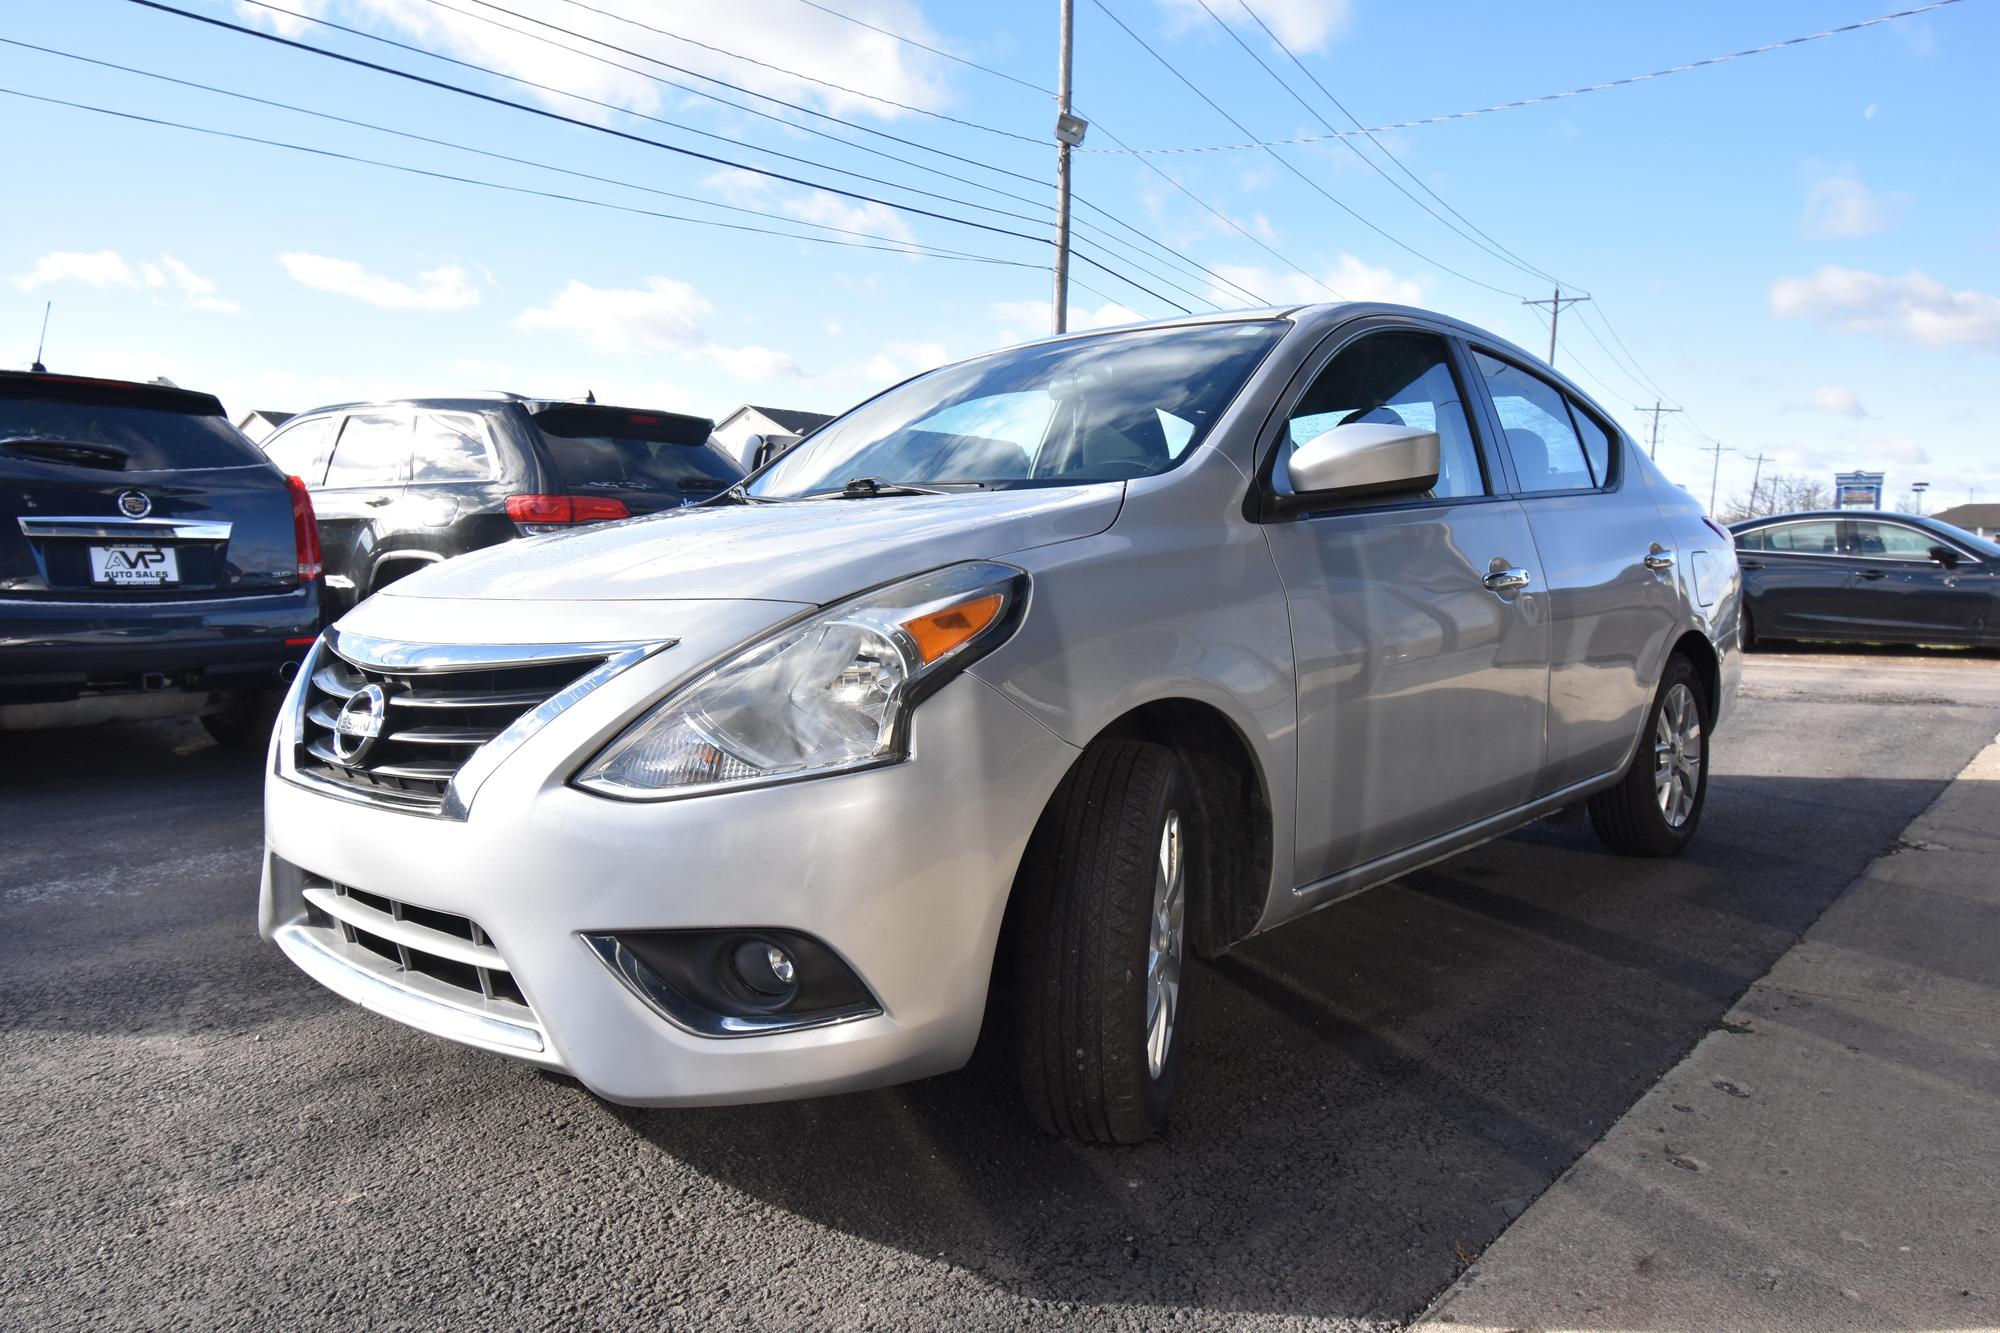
[(826, 694)]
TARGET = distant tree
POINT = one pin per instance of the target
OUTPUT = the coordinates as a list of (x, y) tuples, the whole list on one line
[(1778, 493)]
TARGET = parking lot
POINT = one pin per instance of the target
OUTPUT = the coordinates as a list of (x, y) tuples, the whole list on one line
[(194, 1134)]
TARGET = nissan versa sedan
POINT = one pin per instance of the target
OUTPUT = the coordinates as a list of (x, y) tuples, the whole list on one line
[(1000, 695), (1858, 576)]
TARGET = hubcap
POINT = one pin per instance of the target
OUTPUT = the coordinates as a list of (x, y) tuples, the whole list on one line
[(1163, 947), (1677, 755)]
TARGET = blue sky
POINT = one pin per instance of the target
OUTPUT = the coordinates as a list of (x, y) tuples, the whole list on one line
[(1802, 247)]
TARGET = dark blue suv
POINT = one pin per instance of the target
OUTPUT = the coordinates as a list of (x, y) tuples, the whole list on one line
[(153, 562)]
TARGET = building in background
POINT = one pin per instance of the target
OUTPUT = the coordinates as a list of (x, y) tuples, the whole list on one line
[(1982, 519), (1858, 490), (262, 422), (776, 428)]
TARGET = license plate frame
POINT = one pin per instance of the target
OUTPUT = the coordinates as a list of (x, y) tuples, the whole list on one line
[(135, 565)]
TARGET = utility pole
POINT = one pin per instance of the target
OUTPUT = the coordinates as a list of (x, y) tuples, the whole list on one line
[(1555, 305), (1652, 451), (1715, 475), (1917, 489), (1756, 475), (1069, 133)]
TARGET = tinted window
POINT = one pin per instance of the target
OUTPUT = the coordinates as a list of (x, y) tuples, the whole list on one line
[(1596, 442), (1394, 379), (1815, 537), (1542, 439), (130, 439), (609, 462), (300, 449), (450, 446), (374, 450), (1891, 541), (1085, 409)]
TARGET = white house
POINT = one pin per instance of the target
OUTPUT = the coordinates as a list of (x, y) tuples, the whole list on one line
[(779, 428), (261, 422)]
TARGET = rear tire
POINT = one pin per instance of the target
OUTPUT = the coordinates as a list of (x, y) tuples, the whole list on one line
[(1655, 808), (1747, 633), (245, 722), (1100, 945)]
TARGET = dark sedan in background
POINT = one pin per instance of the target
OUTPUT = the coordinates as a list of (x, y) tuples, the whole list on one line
[(1858, 576), (403, 484), (153, 562)]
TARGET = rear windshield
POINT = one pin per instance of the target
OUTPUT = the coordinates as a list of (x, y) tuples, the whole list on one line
[(612, 449), (121, 439)]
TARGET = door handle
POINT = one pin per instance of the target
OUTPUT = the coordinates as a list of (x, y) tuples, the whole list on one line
[(1748, 564), (1504, 579), (1871, 573), (1659, 560), (379, 501)]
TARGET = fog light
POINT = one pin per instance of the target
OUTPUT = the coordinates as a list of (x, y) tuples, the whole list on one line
[(764, 968)]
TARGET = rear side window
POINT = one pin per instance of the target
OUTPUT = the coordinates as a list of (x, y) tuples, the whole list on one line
[(1596, 442), (301, 448), (121, 439), (373, 450), (597, 448), (1541, 436), (451, 446)]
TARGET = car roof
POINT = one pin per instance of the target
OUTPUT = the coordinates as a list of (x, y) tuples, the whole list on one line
[(483, 399), (1765, 520), (90, 388)]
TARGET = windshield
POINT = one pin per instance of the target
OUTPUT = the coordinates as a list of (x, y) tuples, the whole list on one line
[(599, 448), (1972, 540), (1107, 408)]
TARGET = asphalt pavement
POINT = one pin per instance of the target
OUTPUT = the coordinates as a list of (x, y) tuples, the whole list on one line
[(193, 1134)]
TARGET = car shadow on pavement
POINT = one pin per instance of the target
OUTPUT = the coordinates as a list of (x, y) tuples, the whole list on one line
[(1367, 1096)]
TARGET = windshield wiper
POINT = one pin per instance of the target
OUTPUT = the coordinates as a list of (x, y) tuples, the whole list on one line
[(867, 488)]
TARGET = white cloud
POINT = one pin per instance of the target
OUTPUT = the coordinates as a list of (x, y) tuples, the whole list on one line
[(664, 317), (442, 288), (900, 360), (1303, 25), (1896, 451), (746, 189), (1839, 206), (1914, 307), (807, 42), (1353, 278), (1840, 402), (1868, 112), (108, 268), (1022, 321)]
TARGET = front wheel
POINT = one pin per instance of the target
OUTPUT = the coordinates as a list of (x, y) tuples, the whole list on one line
[(1101, 945), (1654, 809), (245, 721)]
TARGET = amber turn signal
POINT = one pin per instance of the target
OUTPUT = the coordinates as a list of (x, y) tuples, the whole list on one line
[(941, 631)]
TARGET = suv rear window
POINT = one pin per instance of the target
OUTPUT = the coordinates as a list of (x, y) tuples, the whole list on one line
[(122, 439), (615, 449)]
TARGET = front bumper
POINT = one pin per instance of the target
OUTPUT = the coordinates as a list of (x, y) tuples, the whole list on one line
[(902, 871)]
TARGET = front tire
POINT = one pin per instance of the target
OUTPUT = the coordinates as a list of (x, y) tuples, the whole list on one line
[(1101, 943), (245, 722), (1655, 808)]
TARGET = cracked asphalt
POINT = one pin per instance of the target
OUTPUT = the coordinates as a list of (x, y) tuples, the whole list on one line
[(192, 1134)]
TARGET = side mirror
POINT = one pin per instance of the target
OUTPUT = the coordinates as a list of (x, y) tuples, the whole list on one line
[(1365, 458), (753, 445), (1945, 556)]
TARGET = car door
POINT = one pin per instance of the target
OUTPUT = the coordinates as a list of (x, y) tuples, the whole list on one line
[(1418, 626), (1795, 579), (1607, 559), (364, 480), (1898, 588)]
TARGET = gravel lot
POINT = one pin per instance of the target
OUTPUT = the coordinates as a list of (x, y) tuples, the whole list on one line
[(193, 1134)]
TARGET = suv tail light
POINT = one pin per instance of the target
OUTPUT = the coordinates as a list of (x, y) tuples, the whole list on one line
[(539, 513), (305, 530)]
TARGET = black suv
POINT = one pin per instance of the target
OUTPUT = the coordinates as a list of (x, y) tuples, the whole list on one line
[(399, 485), (153, 562)]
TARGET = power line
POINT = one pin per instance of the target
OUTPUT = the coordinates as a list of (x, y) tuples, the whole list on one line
[(1547, 97), (1484, 241), (560, 118), (894, 246), (1555, 304), (1285, 162), (925, 46)]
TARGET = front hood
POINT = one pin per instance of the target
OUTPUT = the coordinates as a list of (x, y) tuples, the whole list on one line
[(814, 551)]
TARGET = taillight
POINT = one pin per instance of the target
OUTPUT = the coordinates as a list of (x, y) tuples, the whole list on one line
[(536, 511), (305, 530)]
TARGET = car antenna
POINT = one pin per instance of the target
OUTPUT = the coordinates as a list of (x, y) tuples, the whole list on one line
[(590, 395), (43, 341)]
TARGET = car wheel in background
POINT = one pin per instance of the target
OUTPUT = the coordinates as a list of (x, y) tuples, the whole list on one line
[(1654, 809), (1747, 636), (245, 721), (1100, 942)]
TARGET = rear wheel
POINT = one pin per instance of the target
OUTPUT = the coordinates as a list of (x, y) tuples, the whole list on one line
[(1748, 634), (1654, 810), (1100, 945)]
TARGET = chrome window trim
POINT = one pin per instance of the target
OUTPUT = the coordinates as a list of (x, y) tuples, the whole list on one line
[(414, 657), (1936, 540), (118, 528)]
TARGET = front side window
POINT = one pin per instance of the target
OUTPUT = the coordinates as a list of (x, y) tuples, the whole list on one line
[(373, 450), (1104, 408), (450, 446), (1394, 379), (300, 449), (1541, 437), (1890, 541)]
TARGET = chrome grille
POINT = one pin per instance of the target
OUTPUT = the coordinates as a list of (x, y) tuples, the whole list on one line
[(448, 949), (434, 719)]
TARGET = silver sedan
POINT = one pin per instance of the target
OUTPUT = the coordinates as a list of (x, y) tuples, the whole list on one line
[(1019, 681)]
